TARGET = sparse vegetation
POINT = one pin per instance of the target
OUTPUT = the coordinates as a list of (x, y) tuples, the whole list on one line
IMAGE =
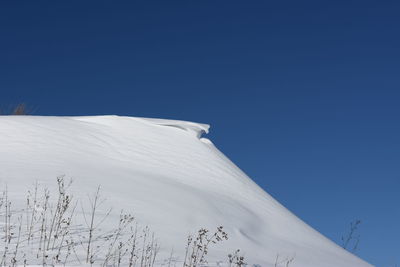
[(19, 109), (197, 247), (235, 259), (351, 240), (286, 261), (45, 232)]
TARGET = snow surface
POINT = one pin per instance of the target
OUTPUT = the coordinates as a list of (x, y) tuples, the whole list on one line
[(171, 178)]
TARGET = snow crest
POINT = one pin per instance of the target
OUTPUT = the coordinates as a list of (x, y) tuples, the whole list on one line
[(171, 178)]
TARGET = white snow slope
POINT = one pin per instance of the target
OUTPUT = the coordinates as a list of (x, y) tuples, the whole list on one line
[(171, 178)]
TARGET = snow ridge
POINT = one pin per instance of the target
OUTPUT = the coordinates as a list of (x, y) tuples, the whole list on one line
[(170, 177)]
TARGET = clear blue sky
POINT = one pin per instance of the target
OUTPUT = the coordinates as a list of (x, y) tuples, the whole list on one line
[(302, 95)]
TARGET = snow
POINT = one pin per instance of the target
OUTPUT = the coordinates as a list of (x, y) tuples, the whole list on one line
[(171, 177)]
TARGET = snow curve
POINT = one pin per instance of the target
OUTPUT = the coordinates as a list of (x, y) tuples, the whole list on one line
[(172, 178)]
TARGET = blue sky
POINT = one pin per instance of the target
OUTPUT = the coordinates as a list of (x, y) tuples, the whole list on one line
[(302, 95)]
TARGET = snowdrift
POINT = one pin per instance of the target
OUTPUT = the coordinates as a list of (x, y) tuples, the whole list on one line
[(170, 177)]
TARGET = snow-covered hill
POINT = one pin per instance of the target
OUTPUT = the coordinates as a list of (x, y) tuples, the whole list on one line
[(170, 177)]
